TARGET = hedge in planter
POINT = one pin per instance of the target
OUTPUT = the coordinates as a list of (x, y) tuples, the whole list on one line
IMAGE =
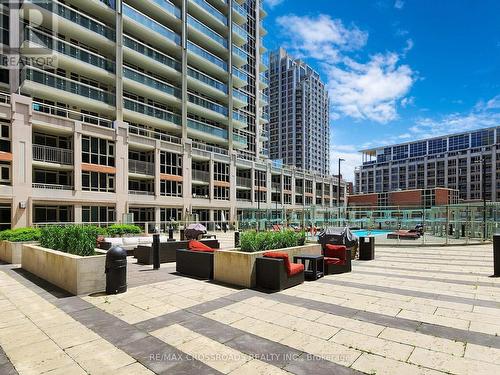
[(20, 235), (72, 239), (118, 230), (252, 241)]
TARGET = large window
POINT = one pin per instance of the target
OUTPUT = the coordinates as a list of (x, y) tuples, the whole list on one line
[(4, 173), (437, 146), (5, 137), (98, 151), (169, 214), (170, 163), (400, 152), (97, 181), (49, 177), (53, 214), (171, 188), (98, 214), (221, 172), (418, 149), (458, 142), (483, 138), (221, 193)]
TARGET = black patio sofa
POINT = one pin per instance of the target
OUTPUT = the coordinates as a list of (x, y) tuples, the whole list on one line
[(195, 263), (144, 254), (271, 275)]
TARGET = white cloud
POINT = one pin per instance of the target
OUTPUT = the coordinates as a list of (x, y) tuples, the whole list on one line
[(321, 37), (493, 103), (408, 101), (368, 90), (408, 47), (273, 3), (399, 4), (352, 160)]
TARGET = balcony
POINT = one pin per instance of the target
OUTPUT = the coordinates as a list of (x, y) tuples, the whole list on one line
[(153, 134), (202, 176), (148, 25), (202, 81), (240, 78), (64, 84), (169, 8), (52, 186), (160, 114), (240, 57), (72, 115), (215, 40), (240, 141), (264, 80), (240, 36), (75, 16), (206, 130), (141, 167), (48, 154), (204, 56), (67, 49), (150, 53), (243, 182), (209, 148), (153, 83), (240, 97), (205, 104), (207, 9), (141, 192), (239, 13), (240, 120)]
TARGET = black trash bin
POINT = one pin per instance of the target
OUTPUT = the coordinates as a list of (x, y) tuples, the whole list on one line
[(366, 248), (496, 255), (116, 270)]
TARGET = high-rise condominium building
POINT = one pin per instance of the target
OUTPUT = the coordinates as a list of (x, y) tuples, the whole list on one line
[(299, 114), (453, 161), (146, 107)]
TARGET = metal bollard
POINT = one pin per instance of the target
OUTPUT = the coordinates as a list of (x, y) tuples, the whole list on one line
[(171, 234), (116, 270), (156, 251), (463, 230), (236, 239), (496, 255), (182, 235)]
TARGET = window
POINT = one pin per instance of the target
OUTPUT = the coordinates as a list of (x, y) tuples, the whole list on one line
[(171, 188), (400, 152), (169, 214), (418, 149), (221, 172), (4, 173), (170, 163), (437, 146), (221, 193), (145, 186), (98, 214), (482, 138), (53, 214), (458, 142), (97, 181), (98, 151), (49, 177), (5, 138)]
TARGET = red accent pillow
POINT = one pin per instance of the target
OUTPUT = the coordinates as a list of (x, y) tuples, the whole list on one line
[(335, 251), (280, 255), (199, 246), (295, 269)]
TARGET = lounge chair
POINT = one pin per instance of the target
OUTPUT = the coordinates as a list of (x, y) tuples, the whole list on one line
[(403, 235), (337, 259), (196, 261), (144, 253), (275, 272)]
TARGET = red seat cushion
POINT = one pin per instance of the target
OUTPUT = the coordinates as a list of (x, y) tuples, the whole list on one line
[(335, 251), (199, 246), (338, 261), (295, 269)]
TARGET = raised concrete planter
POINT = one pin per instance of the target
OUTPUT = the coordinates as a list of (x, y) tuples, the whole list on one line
[(73, 273), (10, 252), (238, 267)]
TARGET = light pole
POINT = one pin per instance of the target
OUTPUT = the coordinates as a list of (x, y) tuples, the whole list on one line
[(338, 191), (258, 200), (483, 160)]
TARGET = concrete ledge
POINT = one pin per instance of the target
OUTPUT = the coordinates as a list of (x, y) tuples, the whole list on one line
[(10, 252), (73, 273), (238, 267)]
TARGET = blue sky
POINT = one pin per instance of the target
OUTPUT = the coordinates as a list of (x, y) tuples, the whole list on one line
[(397, 70)]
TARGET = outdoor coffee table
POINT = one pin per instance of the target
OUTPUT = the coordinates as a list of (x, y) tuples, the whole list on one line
[(316, 270)]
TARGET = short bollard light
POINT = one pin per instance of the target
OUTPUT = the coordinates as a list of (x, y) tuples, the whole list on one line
[(156, 251), (236, 239), (116, 270), (496, 255)]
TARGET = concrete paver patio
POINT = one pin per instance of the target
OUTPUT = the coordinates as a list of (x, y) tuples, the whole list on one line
[(411, 311)]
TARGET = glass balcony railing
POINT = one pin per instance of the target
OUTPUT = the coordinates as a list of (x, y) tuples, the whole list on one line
[(240, 74), (151, 82), (207, 55), (68, 85), (210, 9), (207, 80), (209, 129), (240, 53), (239, 138), (109, 3), (207, 104), (238, 116), (240, 31), (169, 7), (265, 116), (151, 111), (264, 98), (240, 96), (151, 53), (239, 9), (151, 24), (193, 22), (76, 52), (77, 17), (264, 78)]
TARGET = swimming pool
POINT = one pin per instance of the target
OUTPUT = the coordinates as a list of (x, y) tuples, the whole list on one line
[(375, 232)]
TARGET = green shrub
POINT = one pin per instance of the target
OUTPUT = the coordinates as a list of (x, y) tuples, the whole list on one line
[(252, 241), (20, 234), (121, 229), (72, 239)]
